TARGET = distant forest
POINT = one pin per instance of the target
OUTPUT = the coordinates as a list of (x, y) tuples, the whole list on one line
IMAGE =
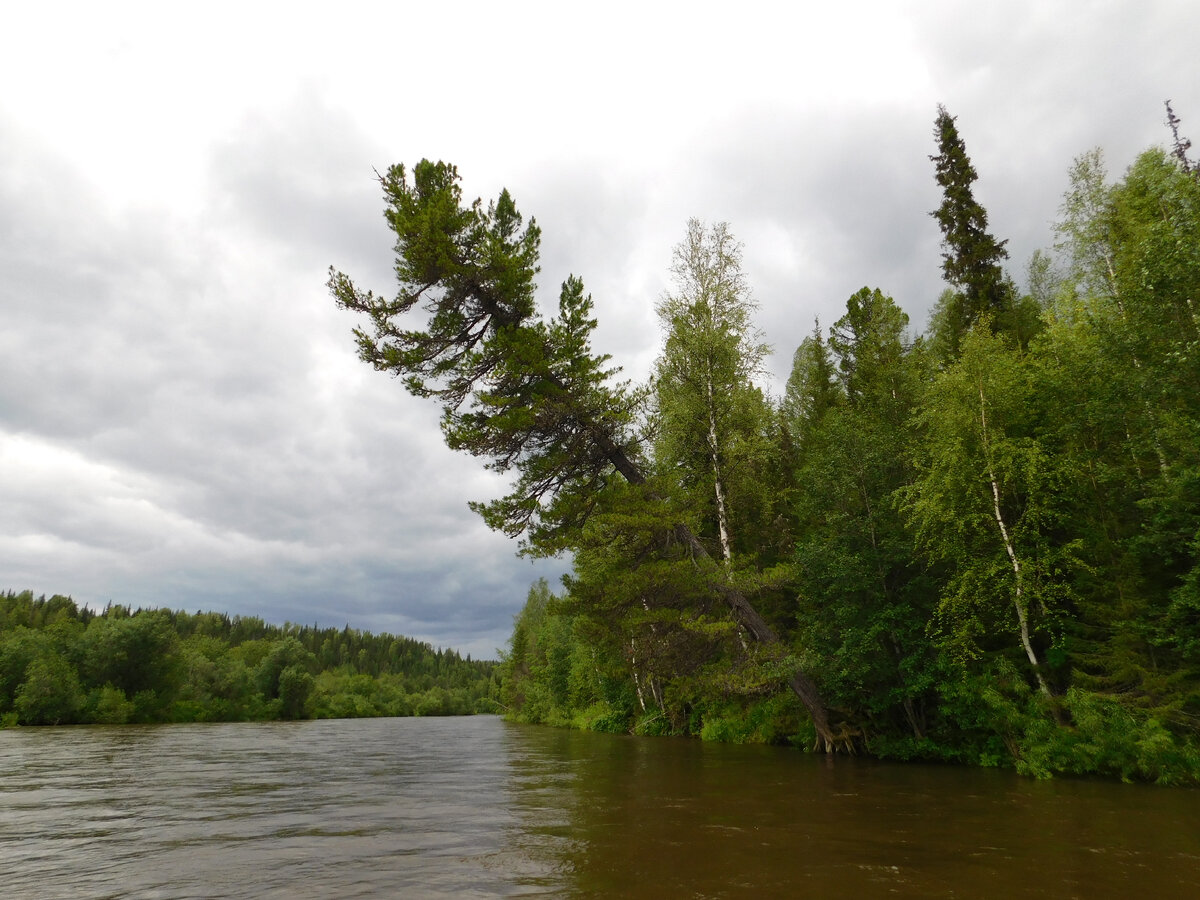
[(976, 544), (62, 664)]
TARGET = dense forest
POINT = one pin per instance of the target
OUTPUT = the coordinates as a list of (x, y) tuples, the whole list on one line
[(979, 543), (65, 664)]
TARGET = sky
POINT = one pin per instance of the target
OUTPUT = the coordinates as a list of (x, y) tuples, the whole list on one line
[(184, 422)]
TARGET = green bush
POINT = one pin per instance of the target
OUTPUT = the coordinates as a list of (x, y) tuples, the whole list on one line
[(50, 693), (108, 705)]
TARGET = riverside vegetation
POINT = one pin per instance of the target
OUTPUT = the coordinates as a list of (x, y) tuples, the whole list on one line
[(976, 544), (61, 664)]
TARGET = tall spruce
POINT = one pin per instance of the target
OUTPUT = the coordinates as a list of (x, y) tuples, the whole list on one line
[(811, 390), (971, 256)]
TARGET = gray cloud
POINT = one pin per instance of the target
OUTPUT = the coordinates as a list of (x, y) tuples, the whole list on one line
[(196, 430), (183, 421)]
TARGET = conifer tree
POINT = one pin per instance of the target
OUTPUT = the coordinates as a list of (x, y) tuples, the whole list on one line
[(811, 389), (862, 602), (971, 256), (1180, 144)]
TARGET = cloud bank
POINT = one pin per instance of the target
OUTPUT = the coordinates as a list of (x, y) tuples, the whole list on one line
[(183, 420)]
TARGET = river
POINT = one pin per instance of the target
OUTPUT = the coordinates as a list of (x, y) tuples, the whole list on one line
[(477, 807)]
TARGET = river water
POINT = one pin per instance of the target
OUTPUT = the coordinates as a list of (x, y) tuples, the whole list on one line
[(477, 807)]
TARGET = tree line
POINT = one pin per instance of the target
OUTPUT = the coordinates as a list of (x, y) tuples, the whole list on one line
[(65, 664), (978, 543)]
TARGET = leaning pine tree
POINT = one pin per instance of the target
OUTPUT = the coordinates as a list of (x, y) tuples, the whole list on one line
[(526, 395)]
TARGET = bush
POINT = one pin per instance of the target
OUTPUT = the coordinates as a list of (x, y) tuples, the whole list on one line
[(50, 693), (109, 706)]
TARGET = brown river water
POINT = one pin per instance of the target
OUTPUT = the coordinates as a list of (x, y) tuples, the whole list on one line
[(476, 807)]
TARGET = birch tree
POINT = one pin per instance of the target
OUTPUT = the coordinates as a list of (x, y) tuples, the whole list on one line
[(1123, 358), (711, 416), (987, 500)]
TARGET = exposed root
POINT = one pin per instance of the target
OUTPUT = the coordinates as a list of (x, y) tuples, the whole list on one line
[(844, 739)]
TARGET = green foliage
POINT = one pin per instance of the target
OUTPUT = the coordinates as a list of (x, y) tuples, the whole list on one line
[(531, 397), (852, 461), (1107, 738), (971, 259), (135, 654), (984, 543), (811, 386), (50, 693), (554, 674), (295, 686), (288, 655), (989, 499), (19, 647), (773, 720), (522, 393), (63, 665), (108, 705), (710, 441)]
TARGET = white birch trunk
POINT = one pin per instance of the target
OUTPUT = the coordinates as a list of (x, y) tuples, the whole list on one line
[(637, 683), (718, 485), (1018, 599)]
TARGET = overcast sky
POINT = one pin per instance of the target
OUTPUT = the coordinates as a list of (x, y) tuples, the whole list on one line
[(183, 419)]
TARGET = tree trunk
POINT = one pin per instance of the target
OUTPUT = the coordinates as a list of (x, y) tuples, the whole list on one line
[(718, 485)]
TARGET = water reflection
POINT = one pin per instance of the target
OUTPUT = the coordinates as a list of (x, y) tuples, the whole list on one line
[(656, 818), (478, 808)]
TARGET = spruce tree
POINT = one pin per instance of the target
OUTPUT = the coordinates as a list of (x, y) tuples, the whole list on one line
[(811, 388), (971, 255)]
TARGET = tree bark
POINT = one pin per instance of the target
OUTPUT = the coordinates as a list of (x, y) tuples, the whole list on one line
[(718, 485)]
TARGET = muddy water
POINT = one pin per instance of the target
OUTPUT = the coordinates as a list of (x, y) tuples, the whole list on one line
[(475, 807)]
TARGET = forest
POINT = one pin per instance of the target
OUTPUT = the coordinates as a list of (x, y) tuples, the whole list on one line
[(64, 664), (975, 543)]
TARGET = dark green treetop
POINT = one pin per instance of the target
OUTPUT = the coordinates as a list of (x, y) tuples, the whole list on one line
[(811, 387), (971, 255)]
